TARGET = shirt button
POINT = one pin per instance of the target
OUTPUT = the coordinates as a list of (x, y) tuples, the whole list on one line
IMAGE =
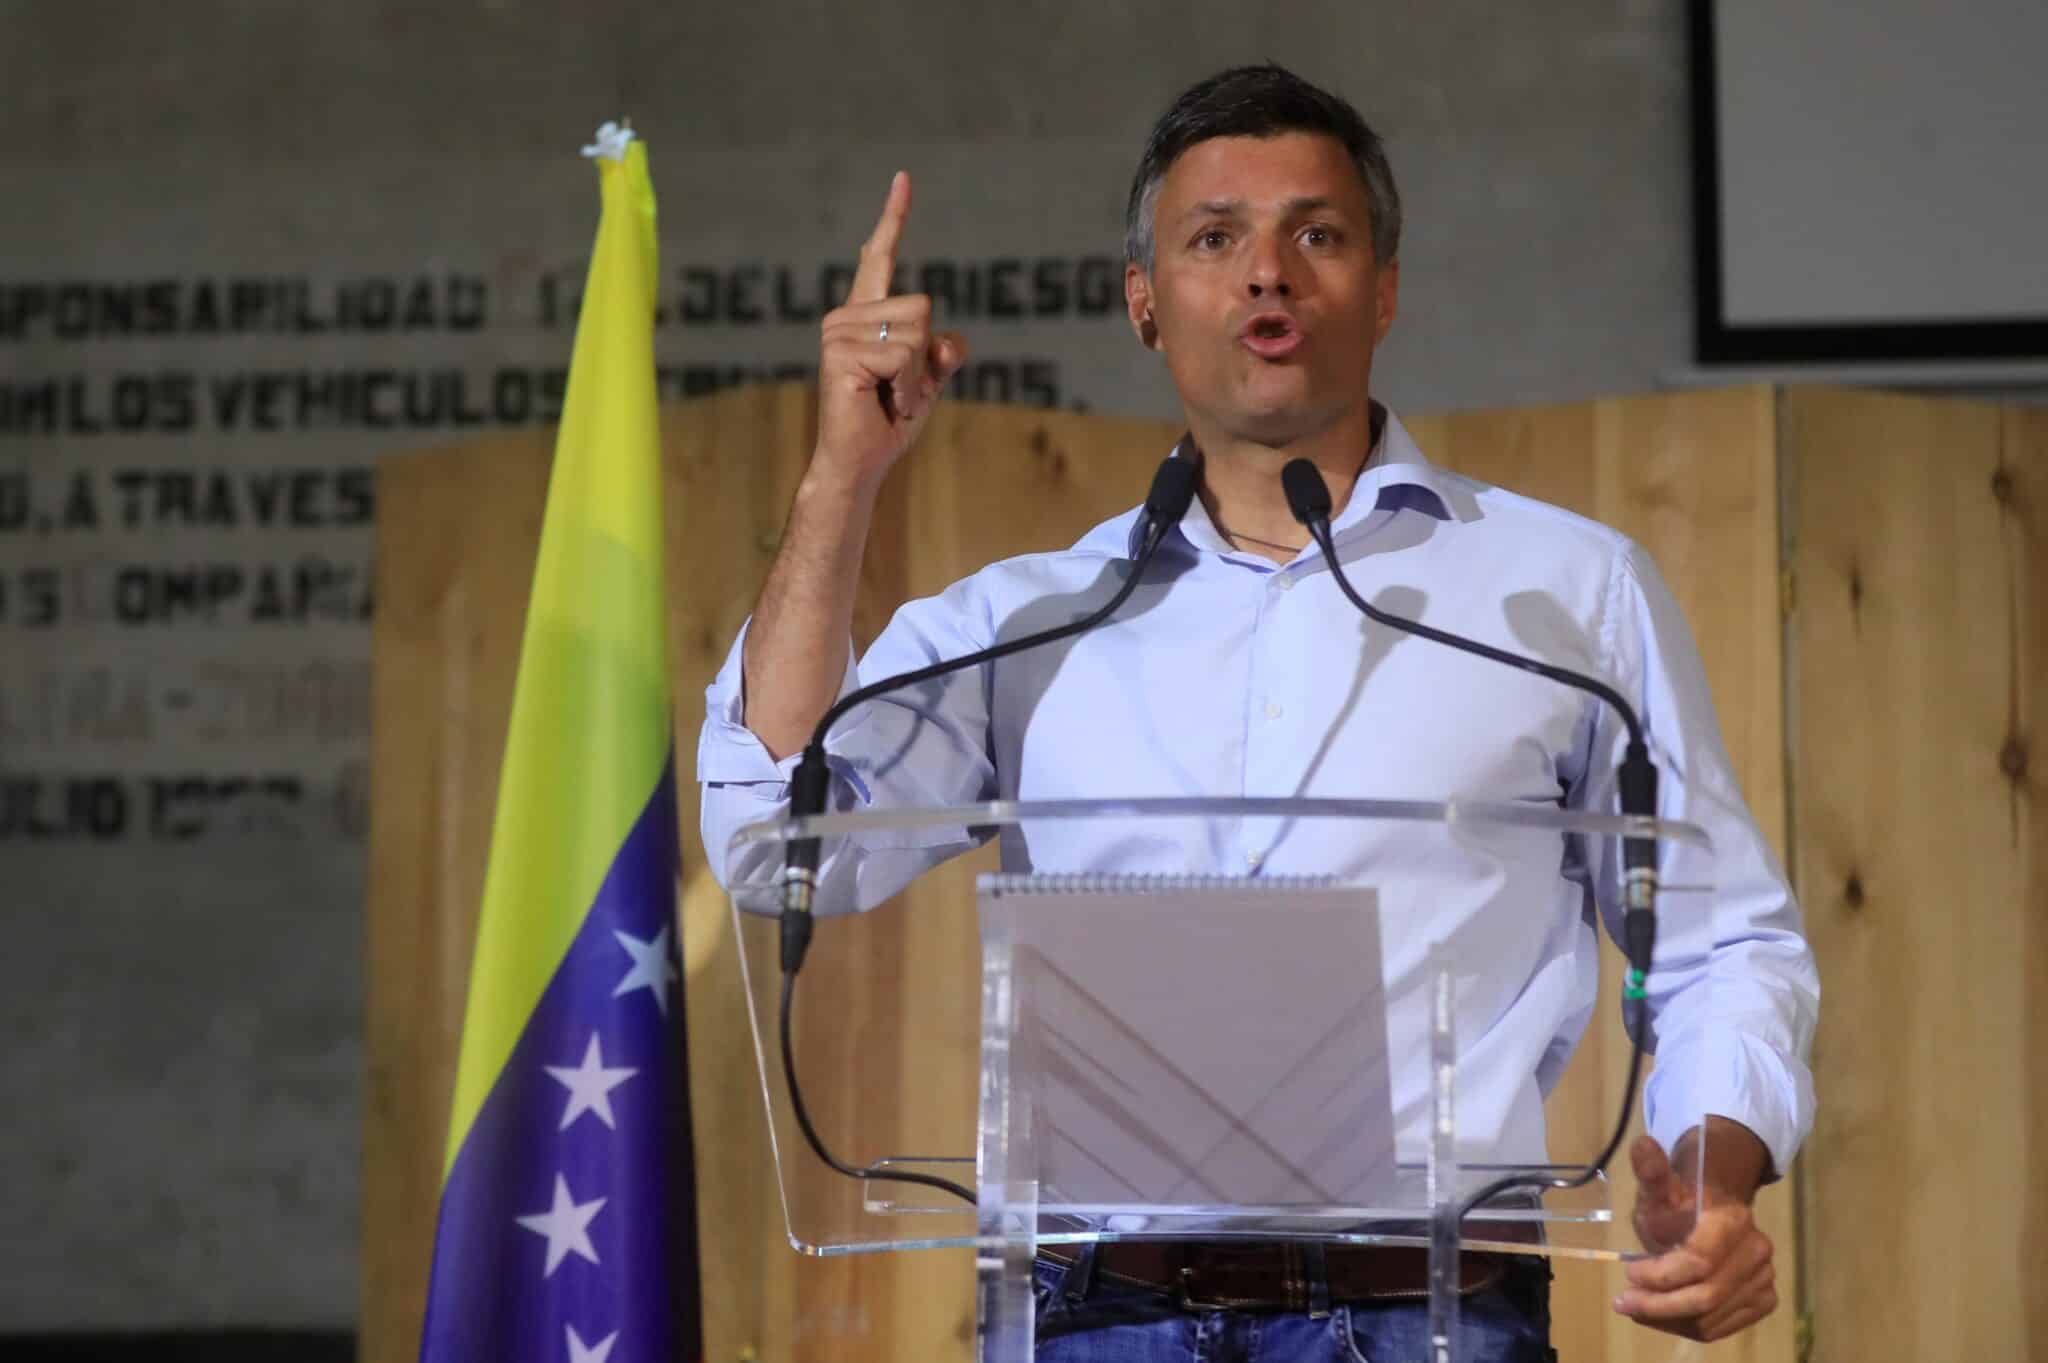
[(1273, 710), (1252, 859), (1282, 582)]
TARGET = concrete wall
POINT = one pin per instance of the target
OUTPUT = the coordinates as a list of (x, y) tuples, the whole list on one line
[(180, 990)]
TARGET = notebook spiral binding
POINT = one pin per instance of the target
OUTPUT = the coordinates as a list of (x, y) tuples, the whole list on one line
[(1117, 882)]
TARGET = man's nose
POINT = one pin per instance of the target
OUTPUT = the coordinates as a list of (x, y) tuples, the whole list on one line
[(1270, 271)]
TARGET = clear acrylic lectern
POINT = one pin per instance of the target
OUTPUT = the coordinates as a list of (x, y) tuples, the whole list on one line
[(1252, 1019)]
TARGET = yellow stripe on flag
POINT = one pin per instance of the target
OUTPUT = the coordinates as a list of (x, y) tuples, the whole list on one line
[(590, 710)]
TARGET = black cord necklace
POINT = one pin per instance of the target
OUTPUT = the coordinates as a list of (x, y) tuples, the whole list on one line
[(1236, 535)]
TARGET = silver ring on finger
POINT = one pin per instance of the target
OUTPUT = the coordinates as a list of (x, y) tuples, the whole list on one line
[(885, 332)]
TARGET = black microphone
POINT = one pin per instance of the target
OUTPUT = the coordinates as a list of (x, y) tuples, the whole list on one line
[(1172, 491), (1309, 499), (1173, 488)]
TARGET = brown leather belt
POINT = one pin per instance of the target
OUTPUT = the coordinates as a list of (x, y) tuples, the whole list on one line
[(1253, 1275)]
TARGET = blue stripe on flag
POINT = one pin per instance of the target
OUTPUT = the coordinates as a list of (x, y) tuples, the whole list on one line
[(494, 1295)]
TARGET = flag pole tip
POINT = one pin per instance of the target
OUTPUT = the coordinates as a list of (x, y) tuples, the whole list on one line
[(612, 140)]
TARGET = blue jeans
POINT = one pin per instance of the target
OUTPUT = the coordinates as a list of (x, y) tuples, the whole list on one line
[(1508, 1322)]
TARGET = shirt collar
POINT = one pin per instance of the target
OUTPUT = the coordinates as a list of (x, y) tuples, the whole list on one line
[(1398, 477)]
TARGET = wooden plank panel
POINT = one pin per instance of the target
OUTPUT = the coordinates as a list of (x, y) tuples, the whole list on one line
[(456, 535), (731, 466), (1918, 672), (986, 483), (2022, 494)]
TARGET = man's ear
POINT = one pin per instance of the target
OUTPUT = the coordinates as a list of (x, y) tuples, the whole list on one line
[(1138, 305), (1389, 301)]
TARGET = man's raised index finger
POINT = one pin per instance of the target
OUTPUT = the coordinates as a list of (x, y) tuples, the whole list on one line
[(878, 256)]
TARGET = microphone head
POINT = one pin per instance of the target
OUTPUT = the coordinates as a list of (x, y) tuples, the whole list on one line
[(1308, 497), (1173, 488)]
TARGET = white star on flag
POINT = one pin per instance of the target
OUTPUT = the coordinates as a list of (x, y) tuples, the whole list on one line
[(590, 1086), (579, 1352), (566, 1225), (652, 970)]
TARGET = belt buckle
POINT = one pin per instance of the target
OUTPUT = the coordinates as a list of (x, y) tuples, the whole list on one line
[(1184, 1295), (1294, 1290)]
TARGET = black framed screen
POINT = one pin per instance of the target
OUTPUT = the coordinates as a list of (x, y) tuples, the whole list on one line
[(1871, 180)]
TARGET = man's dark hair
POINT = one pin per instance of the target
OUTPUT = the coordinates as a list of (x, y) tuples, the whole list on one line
[(1259, 101)]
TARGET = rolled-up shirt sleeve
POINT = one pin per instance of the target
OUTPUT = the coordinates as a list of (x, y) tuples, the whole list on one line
[(729, 755), (922, 747), (1734, 993)]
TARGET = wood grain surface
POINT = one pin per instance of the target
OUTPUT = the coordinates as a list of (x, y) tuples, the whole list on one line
[(1911, 710), (1919, 681)]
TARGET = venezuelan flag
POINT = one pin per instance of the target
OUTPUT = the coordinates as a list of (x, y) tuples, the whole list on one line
[(567, 1226)]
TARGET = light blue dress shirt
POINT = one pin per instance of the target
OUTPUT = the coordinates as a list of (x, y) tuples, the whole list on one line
[(1226, 675)]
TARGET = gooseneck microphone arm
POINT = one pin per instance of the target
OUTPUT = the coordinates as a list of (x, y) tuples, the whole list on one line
[(1308, 497), (1173, 489)]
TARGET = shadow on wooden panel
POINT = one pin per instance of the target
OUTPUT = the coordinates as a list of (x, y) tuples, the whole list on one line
[(1686, 475)]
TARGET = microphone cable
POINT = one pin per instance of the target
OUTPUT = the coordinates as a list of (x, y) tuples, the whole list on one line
[(1173, 489), (1308, 497)]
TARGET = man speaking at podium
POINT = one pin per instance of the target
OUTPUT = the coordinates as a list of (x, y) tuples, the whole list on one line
[(1262, 243)]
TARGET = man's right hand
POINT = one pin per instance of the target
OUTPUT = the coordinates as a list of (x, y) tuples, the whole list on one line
[(874, 393), (873, 398)]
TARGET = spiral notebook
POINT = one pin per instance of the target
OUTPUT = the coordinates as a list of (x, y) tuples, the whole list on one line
[(1194, 1042)]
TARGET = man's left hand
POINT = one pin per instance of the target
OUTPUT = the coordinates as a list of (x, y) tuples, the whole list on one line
[(1711, 1274)]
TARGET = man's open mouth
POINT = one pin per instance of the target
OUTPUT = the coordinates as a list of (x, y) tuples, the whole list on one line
[(1272, 335)]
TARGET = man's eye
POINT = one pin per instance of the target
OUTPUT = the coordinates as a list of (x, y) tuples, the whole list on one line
[(1318, 236), (1212, 240)]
